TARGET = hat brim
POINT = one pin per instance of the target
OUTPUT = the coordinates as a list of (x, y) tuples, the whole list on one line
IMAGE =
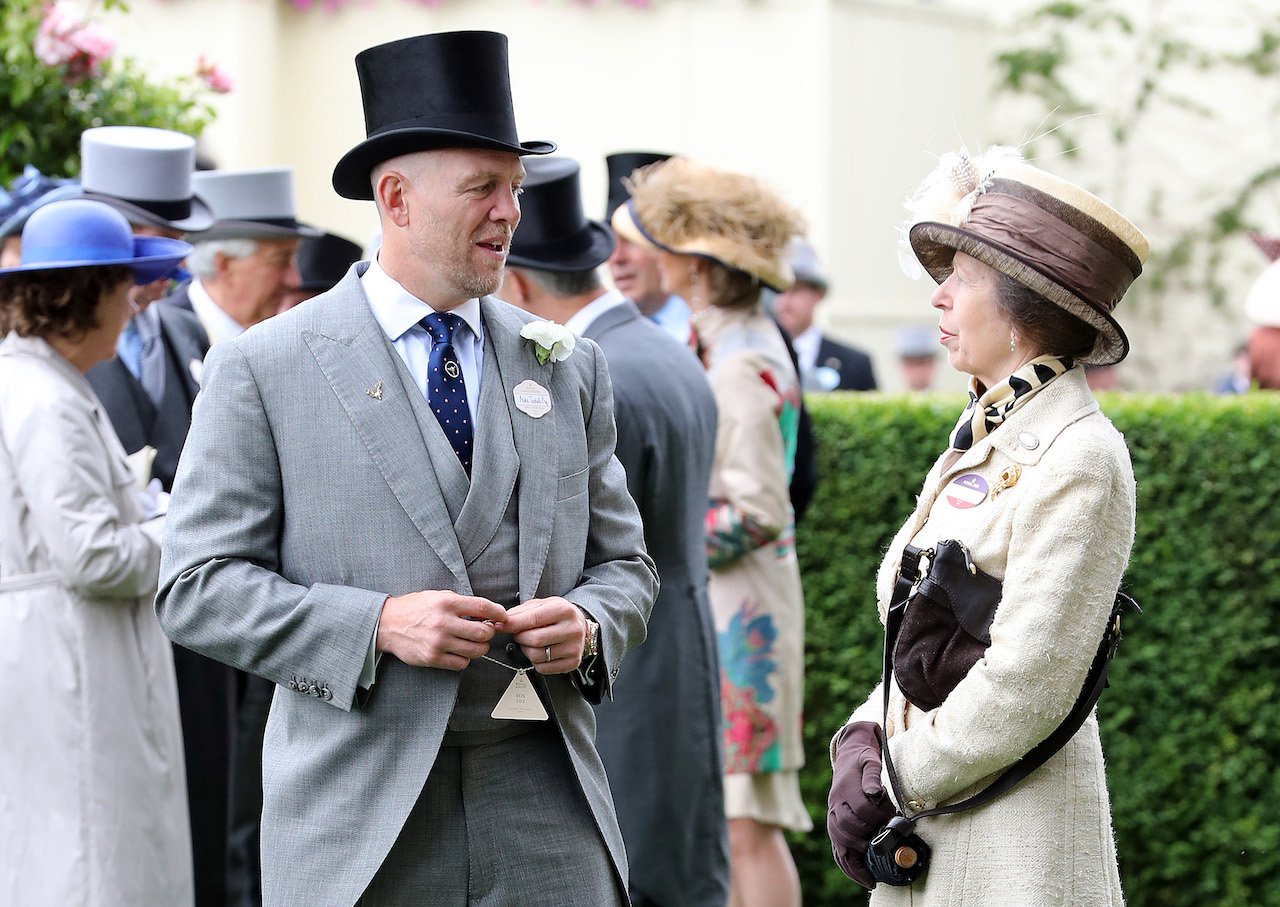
[(584, 251), (351, 176), (285, 228), (935, 244), (200, 218), (153, 257), (628, 226)]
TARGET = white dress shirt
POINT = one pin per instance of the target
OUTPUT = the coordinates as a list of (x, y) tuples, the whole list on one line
[(806, 346), (398, 312), (217, 324), (583, 318)]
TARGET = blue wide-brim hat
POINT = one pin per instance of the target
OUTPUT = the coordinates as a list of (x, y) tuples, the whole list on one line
[(79, 233)]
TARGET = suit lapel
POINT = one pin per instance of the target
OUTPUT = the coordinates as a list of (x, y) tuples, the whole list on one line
[(495, 465), (361, 366), (537, 458)]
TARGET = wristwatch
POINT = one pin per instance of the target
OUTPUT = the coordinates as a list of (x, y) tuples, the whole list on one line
[(590, 644)]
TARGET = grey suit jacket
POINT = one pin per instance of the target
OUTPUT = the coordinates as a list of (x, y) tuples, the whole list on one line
[(137, 420), (660, 736), (305, 497)]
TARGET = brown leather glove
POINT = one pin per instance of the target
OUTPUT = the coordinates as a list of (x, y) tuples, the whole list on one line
[(858, 805)]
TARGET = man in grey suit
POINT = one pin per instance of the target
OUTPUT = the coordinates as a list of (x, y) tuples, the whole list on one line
[(406, 512), (660, 735)]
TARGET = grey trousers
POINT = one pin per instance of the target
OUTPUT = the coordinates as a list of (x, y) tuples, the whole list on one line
[(498, 825)]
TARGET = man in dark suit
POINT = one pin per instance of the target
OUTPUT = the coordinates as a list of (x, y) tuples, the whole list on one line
[(825, 364), (660, 736), (148, 391)]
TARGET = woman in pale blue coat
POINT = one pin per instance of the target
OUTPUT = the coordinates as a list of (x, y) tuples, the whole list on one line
[(93, 809)]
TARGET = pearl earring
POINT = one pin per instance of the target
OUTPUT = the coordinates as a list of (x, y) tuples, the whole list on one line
[(1013, 342)]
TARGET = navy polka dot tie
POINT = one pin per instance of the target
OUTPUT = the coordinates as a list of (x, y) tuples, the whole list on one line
[(446, 391)]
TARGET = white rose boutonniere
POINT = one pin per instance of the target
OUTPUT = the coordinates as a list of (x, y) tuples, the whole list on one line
[(551, 342)]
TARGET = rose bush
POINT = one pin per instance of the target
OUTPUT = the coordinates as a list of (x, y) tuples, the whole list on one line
[(62, 76)]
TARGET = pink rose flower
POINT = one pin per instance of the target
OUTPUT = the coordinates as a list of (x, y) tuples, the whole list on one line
[(214, 76), (66, 39)]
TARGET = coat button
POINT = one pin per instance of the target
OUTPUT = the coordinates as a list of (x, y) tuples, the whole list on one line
[(313, 690), (1028, 440), (293, 685), (915, 805), (325, 694)]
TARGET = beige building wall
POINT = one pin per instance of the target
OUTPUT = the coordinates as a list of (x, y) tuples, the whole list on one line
[(834, 102)]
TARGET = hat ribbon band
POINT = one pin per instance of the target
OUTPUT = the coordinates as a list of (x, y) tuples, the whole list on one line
[(168, 210), (1053, 247)]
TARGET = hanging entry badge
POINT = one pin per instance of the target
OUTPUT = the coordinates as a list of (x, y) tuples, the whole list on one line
[(520, 702), (968, 490)]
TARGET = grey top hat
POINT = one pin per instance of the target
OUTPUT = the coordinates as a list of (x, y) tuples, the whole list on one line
[(250, 204), (917, 342), (145, 174), (805, 264)]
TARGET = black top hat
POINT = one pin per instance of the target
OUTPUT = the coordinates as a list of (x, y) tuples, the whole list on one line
[(554, 234), (324, 260), (445, 90), (621, 166)]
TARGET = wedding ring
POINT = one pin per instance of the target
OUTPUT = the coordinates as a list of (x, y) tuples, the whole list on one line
[(548, 650)]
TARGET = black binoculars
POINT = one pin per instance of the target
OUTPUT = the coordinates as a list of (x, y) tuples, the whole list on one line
[(897, 856)]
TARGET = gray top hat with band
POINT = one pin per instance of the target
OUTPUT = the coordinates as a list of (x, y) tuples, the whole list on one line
[(145, 174), (805, 264), (250, 204), (554, 233)]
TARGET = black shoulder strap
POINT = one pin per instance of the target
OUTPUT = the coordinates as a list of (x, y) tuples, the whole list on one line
[(1094, 683)]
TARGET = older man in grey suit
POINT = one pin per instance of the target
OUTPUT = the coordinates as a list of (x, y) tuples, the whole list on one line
[(660, 735), (408, 516)]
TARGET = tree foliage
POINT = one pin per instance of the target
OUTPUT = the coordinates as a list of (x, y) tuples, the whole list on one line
[(1166, 109), (44, 108)]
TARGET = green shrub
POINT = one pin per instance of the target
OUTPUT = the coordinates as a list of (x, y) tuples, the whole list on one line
[(1191, 722)]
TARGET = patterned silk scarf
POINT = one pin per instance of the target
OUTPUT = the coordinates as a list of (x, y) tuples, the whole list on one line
[(985, 414)]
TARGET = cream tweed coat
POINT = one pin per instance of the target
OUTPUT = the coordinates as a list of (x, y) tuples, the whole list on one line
[(1059, 538)]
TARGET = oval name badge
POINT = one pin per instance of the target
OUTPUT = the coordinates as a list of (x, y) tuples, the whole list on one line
[(532, 398), (968, 490)]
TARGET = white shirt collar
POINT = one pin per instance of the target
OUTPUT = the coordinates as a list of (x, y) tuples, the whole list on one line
[(806, 346), (397, 310), (583, 318), (216, 322)]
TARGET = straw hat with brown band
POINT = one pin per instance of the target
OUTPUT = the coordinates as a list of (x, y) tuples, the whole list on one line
[(692, 209), (1046, 233)]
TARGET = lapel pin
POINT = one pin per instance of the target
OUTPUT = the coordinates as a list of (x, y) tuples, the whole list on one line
[(1008, 478), (376, 391), (532, 398)]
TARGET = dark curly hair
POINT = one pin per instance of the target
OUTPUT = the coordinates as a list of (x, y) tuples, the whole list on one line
[(58, 303)]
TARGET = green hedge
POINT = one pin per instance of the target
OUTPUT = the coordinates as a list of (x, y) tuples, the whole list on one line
[(1191, 722)]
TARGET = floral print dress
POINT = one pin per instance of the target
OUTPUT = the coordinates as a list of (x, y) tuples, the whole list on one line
[(755, 579)]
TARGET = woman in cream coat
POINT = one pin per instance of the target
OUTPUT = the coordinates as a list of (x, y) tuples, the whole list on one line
[(1037, 484), (720, 237), (94, 805)]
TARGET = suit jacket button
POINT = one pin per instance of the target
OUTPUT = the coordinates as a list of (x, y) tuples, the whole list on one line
[(313, 690), (293, 684), (325, 694)]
